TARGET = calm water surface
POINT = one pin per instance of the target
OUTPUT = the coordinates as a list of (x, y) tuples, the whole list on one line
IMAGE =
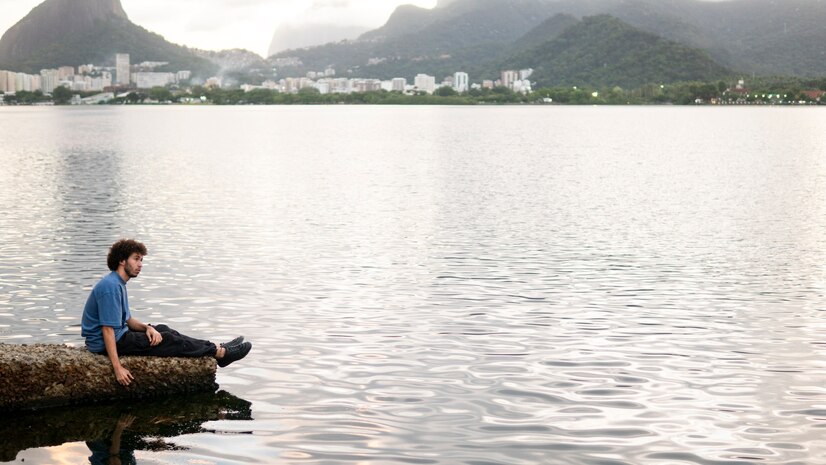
[(439, 285)]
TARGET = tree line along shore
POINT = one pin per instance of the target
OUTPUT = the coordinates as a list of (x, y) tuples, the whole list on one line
[(760, 91)]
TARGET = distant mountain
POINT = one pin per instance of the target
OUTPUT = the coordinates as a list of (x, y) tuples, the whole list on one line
[(603, 51), (406, 19), (457, 34), (289, 37), (72, 32), (767, 37), (548, 30), (760, 36)]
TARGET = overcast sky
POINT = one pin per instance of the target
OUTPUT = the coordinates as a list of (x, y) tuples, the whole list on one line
[(223, 24)]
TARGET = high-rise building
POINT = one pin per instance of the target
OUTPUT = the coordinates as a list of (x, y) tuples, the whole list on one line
[(4, 79), (150, 80), (425, 83), (65, 72), (460, 82), (399, 84), (509, 77), (49, 80), (122, 69)]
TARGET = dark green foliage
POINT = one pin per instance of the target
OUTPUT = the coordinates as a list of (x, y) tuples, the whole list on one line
[(310, 96), (161, 94), (604, 51), (445, 92), (25, 98), (61, 95), (549, 30)]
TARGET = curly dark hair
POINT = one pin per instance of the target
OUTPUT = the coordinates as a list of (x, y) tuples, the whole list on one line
[(122, 250)]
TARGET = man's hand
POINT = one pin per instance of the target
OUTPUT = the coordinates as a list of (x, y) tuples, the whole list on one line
[(123, 375), (154, 336)]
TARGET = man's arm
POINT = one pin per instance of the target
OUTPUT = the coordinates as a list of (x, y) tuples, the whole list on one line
[(154, 336), (123, 375)]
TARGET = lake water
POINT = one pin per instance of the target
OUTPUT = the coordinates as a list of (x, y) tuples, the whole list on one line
[(442, 285)]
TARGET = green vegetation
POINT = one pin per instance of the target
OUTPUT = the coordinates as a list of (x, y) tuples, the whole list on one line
[(26, 98), (604, 51), (775, 91)]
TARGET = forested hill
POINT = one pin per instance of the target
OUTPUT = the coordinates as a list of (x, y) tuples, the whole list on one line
[(767, 37), (603, 51)]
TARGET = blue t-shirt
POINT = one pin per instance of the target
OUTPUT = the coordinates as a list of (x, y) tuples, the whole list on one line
[(107, 305)]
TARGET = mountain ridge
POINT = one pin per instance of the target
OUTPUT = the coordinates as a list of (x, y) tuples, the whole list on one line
[(749, 36)]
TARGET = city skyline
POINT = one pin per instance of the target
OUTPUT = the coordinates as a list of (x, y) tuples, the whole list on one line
[(125, 76), (222, 24)]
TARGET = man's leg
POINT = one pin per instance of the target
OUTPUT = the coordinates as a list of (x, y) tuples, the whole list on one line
[(174, 344)]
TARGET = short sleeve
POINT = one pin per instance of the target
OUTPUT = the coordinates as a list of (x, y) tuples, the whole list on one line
[(110, 309)]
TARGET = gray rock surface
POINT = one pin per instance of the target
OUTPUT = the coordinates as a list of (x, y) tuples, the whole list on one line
[(47, 375)]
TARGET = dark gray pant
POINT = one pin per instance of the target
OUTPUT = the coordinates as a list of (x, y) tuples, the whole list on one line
[(174, 344)]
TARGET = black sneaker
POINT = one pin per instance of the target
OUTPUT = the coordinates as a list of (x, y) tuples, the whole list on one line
[(235, 342), (233, 353)]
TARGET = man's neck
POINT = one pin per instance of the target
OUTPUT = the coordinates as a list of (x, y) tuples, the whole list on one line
[(122, 273)]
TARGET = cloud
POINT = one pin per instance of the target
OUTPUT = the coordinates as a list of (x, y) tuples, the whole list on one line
[(369, 13)]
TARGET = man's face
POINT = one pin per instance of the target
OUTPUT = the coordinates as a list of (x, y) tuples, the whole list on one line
[(132, 265)]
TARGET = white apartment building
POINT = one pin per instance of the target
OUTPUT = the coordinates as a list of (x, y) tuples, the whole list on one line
[(65, 72), (4, 82), (150, 80), (122, 69), (399, 84), (323, 86), (523, 86), (26, 82), (289, 85), (49, 80), (508, 77), (425, 83), (341, 86), (460, 82), (81, 83), (366, 85)]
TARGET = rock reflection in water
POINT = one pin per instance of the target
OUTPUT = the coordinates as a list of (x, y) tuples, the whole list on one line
[(114, 431)]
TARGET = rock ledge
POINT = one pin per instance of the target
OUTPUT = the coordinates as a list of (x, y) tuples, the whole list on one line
[(48, 375)]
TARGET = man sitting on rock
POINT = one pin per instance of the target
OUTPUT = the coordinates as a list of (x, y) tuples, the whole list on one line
[(110, 329)]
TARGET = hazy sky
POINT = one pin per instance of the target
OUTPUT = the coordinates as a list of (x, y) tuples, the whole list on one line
[(222, 24)]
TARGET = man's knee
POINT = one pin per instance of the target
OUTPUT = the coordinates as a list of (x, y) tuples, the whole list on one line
[(162, 328)]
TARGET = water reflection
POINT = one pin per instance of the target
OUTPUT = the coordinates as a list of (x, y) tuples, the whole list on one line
[(114, 432)]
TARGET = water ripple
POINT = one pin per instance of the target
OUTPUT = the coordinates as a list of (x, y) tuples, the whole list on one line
[(546, 286)]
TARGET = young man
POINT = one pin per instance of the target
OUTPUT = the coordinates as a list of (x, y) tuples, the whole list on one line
[(110, 329)]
